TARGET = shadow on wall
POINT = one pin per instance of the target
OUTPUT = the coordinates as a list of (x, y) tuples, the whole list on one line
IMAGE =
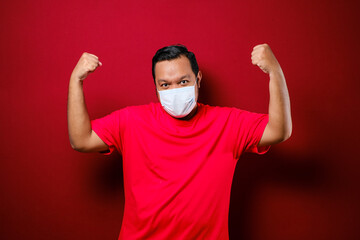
[(266, 192), (105, 177), (267, 188), (207, 90)]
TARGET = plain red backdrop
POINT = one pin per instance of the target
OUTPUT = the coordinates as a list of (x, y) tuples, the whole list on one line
[(305, 188)]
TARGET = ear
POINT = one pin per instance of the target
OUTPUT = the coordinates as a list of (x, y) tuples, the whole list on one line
[(198, 78)]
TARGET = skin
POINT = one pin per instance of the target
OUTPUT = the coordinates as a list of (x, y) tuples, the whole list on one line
[(279, 127), (82, 137), (177, 73)]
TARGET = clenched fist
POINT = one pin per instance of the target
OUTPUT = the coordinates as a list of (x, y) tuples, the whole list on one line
[(263, 57), (87, 64)]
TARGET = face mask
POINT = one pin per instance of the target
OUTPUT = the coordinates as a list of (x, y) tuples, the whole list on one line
[(178, 102)]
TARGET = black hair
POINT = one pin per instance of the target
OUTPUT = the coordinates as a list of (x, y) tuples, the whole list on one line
[(172, 52)]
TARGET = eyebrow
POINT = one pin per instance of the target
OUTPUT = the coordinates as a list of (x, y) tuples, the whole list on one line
[(182, 77)]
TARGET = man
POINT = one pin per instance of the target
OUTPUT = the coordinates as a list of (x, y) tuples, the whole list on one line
[(179, 156)]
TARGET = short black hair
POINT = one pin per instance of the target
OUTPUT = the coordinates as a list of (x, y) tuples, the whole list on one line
[(172, 52)]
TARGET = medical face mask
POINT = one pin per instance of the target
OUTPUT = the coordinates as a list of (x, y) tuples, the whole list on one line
[(178, 102)]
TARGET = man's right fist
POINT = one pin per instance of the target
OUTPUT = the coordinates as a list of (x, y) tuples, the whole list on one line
[(87, 64)]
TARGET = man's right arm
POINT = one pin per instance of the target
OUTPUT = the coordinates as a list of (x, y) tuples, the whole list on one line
[(82, 137)]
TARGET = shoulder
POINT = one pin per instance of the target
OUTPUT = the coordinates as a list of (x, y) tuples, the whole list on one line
[(132, 110), (137, 108), (143, 109), (137, 112), (229, 113), (218, 110)]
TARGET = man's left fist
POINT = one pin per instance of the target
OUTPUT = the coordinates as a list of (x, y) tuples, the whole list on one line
[(263, 57)]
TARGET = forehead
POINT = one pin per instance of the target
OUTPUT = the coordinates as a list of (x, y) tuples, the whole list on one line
[(173, 68)]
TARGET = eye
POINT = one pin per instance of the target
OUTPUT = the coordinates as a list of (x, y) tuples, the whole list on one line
[(183, 82), (164, 85)]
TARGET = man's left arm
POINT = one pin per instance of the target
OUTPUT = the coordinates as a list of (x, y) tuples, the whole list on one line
[(279, 127)]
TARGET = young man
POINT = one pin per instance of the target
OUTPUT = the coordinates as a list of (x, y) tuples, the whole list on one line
[(179, 155)]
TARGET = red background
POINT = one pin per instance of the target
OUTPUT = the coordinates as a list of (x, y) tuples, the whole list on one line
[(305, 188)]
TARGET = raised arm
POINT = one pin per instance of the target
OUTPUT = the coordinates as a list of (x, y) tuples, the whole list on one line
[(279, 127), (82, 138)]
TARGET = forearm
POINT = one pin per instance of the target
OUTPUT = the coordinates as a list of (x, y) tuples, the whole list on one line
[(79, 125), (279, 106)]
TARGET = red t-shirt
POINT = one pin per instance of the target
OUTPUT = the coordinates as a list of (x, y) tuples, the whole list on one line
[(177, 173)]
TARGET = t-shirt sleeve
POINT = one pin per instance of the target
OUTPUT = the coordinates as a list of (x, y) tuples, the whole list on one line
[(250, 127), (109, 128)]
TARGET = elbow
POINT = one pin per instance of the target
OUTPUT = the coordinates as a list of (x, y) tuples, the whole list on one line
[(282, 135), (286, 134), (77, 147), (276, 134)]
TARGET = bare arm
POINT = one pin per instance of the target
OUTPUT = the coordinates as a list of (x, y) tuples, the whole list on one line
[(82, 137), (279, 127)]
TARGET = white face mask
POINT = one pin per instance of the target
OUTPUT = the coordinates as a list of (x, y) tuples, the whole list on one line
[(178, 102)]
